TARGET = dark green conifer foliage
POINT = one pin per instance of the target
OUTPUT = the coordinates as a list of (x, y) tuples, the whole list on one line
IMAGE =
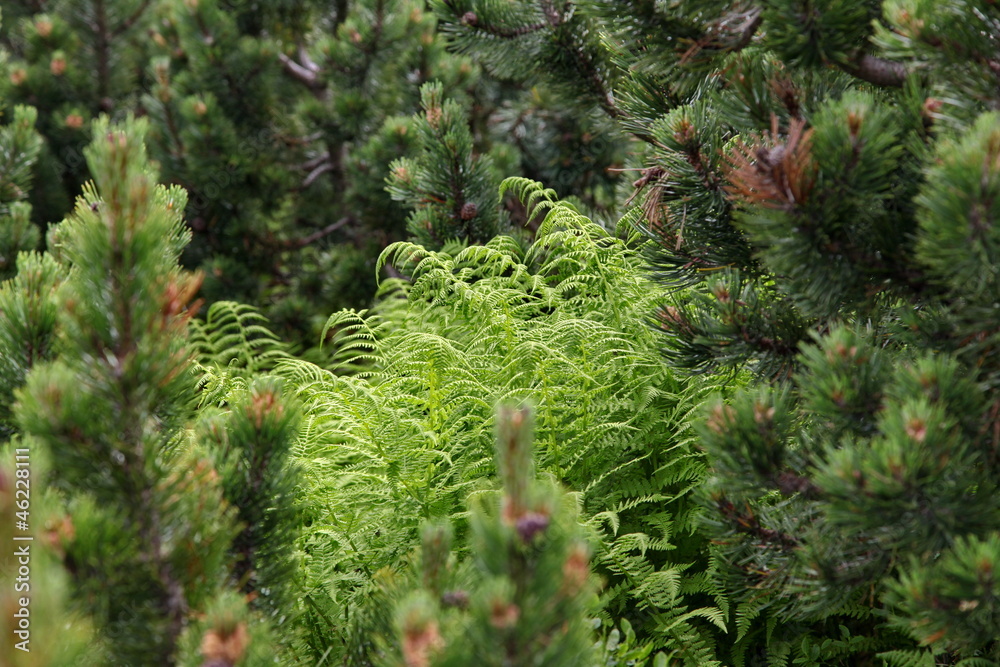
[(566, 132), (279, 120), (159, 523), (251, 445), (20, 146), (824, 176), (36, 595), (28, 315), (450, 190), (72, 61), (566, 41)]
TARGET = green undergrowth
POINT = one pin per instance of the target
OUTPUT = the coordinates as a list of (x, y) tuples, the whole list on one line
[(401, 430)]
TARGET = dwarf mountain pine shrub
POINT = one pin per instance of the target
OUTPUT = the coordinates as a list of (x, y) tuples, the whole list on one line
[(160, 528)]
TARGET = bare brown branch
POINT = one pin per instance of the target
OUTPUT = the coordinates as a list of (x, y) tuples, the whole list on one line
[(878, 71), (318, 234), (304, 74), (133, 19), (318, 171)]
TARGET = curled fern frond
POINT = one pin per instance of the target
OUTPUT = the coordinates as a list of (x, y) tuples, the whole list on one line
[(530, 193)]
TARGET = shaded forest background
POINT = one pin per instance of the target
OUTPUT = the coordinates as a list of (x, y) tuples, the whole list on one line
[(281, 120)]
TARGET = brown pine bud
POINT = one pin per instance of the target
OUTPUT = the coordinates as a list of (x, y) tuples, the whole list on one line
[(402, 174), (18, 76), (200, 108), (531, 524), (457, 598), (576, 569), (58, 65), (685, 132), (469, 19), (264, 404), (421, 638), (720, 419), (932, 107), (59, 533), (854, 122), (763, 414), (434, 116), (74, 121), (226, 644), (43, 26), (469, 211), (503, 614), (916, 428)]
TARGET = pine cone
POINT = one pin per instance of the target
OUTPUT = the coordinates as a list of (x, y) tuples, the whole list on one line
[(469, 211)]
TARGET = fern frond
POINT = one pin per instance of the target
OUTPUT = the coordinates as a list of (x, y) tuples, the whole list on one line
[(234, 335), (402, 254), (975, 662), (528, 192), (355, 339), (218, 385), (912, 658)]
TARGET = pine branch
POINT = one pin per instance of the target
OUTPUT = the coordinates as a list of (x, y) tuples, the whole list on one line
[(124, 26), (307, 60), (471, 20), (316, 161), (878, 71), (723, 36), (745, 521), (302, 73), (746, 30), (317, 171), (318, 234), (102, 47)]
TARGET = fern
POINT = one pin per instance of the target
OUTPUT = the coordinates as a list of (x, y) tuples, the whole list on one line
[(404, 431), (218, 385), (234, 336), (913, 658), (925, 658), (355, 339)]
